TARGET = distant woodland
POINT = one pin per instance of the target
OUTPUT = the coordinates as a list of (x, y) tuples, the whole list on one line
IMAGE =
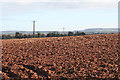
[(38, 35)]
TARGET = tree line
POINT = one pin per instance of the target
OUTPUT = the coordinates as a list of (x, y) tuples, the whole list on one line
[(38, 35)]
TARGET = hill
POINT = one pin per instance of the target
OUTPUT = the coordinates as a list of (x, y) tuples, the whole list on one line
[(100, 30), (90, 30)]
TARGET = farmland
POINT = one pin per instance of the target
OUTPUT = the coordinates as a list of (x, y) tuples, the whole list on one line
[(61, 57)]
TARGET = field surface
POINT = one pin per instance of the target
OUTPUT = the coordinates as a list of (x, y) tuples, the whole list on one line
[(61, 57)]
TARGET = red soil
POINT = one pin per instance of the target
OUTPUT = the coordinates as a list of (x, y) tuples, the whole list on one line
[(68, 57)]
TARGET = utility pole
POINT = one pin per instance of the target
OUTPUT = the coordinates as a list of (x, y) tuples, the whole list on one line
[(63, 30), (33, 29)]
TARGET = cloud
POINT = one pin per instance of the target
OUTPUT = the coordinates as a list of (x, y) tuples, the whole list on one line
[(92, 1), (13, 6), (71, 1)]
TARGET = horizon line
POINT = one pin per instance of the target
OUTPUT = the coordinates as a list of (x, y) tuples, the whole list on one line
[(60, 30)]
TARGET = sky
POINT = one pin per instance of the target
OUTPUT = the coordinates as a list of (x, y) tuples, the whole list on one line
[(53, 15)]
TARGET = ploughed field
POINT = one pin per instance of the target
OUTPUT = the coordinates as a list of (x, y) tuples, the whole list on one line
[(61, 57)]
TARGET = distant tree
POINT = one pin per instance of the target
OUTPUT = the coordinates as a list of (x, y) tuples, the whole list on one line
[(25, 36), (61, 34), (3, 36), (79, 33), (18, 35), (49, 35), (70, 33), (53, 34), (30, 36), (38, 34), (65, 34), (57, 34), (42, 35), (7, 36), (83, 33)]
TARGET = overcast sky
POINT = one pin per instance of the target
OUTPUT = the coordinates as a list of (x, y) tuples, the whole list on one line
[(53, 15)]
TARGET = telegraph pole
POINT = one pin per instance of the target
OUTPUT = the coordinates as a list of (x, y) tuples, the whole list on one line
[(33, 29), (63, 30)]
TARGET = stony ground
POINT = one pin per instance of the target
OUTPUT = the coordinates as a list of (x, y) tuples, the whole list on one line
[(61, 57)]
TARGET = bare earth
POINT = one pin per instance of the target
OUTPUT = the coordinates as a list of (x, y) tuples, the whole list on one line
[(61, 57)]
